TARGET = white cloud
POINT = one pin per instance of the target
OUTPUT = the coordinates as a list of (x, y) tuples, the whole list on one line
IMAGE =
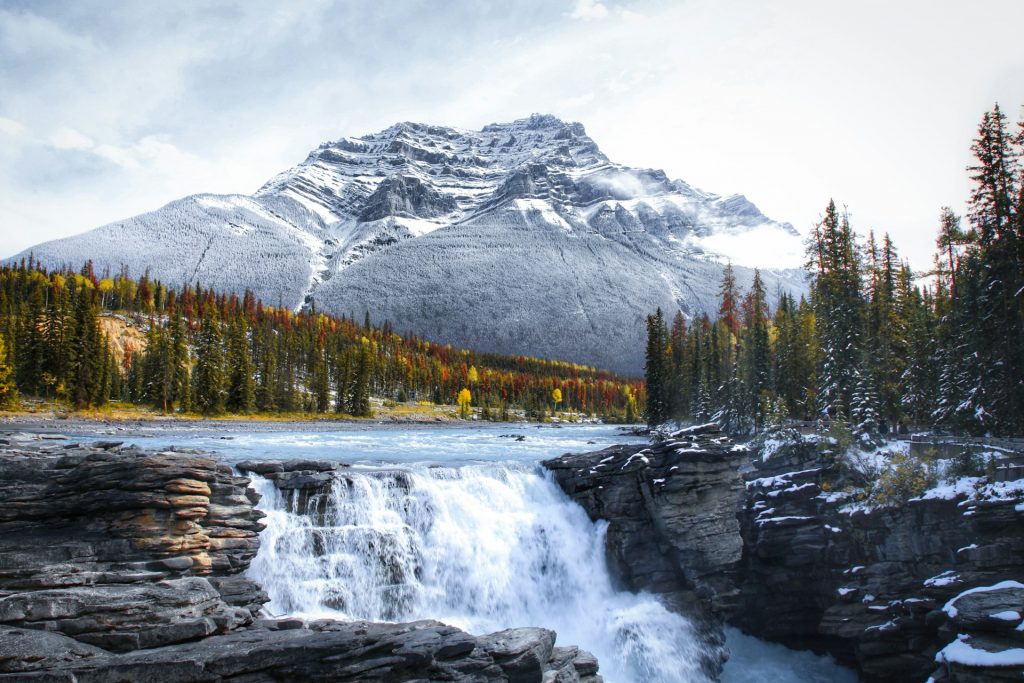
[(11, 127), (588, 10), (751, 97), (26, 33), (69, 138)]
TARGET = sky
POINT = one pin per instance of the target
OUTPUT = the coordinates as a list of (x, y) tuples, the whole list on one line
[(108, 109)]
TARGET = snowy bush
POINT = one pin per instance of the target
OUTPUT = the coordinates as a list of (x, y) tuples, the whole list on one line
[(905, 477)]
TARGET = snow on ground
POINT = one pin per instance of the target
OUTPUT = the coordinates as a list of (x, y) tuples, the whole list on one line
[(961, 652), (950, 607)]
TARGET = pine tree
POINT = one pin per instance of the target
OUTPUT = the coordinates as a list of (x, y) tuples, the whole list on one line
[(359, 392), (87, 368), (919, 382), (321, 380), (179, 386), (241, 394), (728, 309), (836, 294), (735, 415), (756, 362), (981, 389), (209, 377), (30, 349), (342, 374), (8, 393), (656, 370), (864, 418)]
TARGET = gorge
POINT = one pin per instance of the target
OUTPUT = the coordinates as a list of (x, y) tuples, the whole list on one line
[(405, 525)]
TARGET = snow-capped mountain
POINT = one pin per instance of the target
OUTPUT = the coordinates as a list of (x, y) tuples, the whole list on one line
[(518, 238)]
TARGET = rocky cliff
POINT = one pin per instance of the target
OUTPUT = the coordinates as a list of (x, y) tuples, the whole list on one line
[(764, 540), (118, 564)]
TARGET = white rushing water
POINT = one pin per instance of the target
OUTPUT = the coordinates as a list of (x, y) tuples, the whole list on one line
[(482, 547)]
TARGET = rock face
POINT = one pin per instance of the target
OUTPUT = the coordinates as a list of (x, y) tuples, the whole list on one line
[(671, 512), (870, 585), (118, 564), (929, 587)]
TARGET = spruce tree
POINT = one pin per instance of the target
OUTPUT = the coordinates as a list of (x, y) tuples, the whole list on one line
[(209, 377), (87, 368), (359, 391), (241, 394), (836, 294), (865, 422), (179, 386), (656, 370), (8, 393)]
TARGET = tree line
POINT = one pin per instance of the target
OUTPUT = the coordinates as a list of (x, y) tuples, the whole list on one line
[(871, 346), (210, 353)]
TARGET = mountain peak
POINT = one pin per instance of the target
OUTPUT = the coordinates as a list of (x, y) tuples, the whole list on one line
[(520, 237)]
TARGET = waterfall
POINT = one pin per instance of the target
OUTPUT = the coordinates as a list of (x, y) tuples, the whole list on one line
[(481, 547)]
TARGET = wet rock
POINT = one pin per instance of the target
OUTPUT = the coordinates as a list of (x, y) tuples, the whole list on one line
[(127, 565), (671, 511), (782, 553), (868, 585)]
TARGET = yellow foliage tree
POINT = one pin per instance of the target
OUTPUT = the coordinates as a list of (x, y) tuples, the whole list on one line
[(556, 397), (465, 398), (473, 376)]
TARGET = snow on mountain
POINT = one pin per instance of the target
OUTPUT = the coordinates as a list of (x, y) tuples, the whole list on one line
[(518, 238)]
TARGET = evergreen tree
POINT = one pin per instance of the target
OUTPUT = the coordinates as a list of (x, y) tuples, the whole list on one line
[(8, 393), (178, 382), (656, 370), (836, 294), (359, 393), (241, 394), (209, 377), (88, 362), (756, 370), (30, 354), (864, 418), (728, 309)]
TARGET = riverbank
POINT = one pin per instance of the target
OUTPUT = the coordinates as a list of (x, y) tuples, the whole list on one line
[(49, 416)]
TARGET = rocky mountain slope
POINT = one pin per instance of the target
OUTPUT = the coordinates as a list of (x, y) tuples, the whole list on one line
[(522, 237)]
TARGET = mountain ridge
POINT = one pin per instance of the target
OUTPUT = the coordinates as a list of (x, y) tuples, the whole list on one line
[(508, 203)]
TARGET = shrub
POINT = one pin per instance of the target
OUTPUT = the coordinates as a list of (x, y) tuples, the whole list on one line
[(906, 477), (967, 463)]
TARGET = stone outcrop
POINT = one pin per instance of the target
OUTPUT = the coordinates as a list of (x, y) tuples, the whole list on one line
[(122, 548), (767, 542), (289, 650), (671, 512), (869, 584), (119, 564)]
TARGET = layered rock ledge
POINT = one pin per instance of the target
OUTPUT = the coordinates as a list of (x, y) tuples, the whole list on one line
[(120, 564), (766, 542)]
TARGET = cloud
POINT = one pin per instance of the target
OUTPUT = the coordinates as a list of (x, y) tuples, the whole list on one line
[(24, 33), (11, 127), (71, 139), (127, 106), (588, 10)]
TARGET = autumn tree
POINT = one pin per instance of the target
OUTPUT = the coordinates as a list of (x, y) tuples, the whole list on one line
[(464, 399)]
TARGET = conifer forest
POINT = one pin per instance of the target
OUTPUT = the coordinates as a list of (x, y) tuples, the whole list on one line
[(209, 353), (875, 345)]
